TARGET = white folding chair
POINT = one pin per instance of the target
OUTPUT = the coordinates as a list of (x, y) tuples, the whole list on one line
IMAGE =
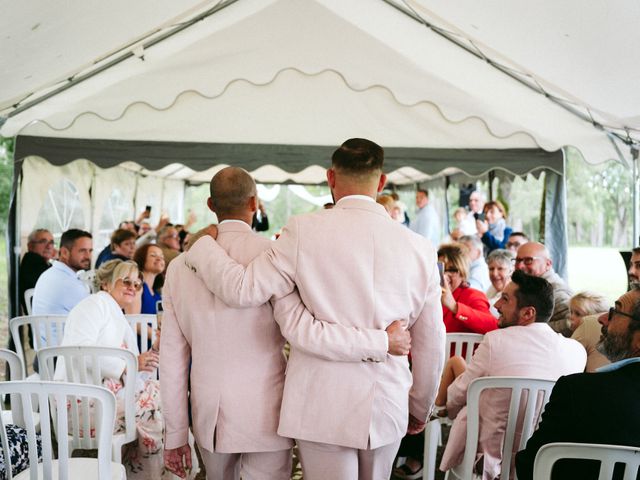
[(64, 467), (47, 332), (28, 299), (462, 342), (456, 344), (140, 323), (82, 365), (523, 391), (16, 373), (608, 455)]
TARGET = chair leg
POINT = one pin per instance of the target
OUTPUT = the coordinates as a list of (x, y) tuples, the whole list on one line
[(431, 440), (116, 453)]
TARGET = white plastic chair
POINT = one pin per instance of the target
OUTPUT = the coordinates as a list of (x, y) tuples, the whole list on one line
[(143, 320), (458, 342), (608, 455), (28, 299), (48, 325), (64, 467), (80, 367), (462, 341), (523, 390), (16, 373)]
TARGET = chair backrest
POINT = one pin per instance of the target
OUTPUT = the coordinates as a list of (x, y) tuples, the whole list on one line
[(16, 373), (51, 327), (140, 323), (462, 344), (608, 455), (82, 364), (521, 406), (28, 299), (60, 394)]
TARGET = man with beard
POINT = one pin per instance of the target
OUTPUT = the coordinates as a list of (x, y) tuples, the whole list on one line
[(59, 289), (634, 268), (599, 407)]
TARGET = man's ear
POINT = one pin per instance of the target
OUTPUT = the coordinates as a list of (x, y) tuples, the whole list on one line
[(210, 205), (331, 178), (382, 182), (253, 203), (527, 315)]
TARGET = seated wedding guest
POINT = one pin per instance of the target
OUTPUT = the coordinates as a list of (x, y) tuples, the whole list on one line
[(169, 242), (464, 225), (515, 241), (464, 309), (478, 269), (588, 334), (500, 264), (150, 261), (387, 202), (40, 251), (494, 230), (583, 304), (597, 407), (121, 246), (524, 346), (98, 321)]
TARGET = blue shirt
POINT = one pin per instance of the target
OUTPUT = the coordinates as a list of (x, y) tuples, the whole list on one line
[(57, 291), (619, 364), (427, 224), (149, 299)]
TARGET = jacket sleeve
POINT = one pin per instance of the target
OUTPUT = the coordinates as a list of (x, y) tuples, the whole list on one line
[(427, 349), (473, 310), (175, 356), (272, 273), (554, 427), (493, 243), (330, 341)]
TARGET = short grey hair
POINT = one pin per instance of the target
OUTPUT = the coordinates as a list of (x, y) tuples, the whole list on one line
[(33, 235), (501, 256), (473, 240)]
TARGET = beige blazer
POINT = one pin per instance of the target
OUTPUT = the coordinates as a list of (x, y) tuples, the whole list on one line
[(534, 351), (237, 364), (353, 266)]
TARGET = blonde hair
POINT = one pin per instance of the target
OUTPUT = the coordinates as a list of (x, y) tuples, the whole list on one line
[(589, 303), (456, 254), (113, 270)]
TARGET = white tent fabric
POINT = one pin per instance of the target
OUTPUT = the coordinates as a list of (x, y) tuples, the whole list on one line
[(286, 71)]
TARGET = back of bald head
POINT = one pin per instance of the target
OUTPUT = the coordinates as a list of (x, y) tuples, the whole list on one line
[(230, 190), (358, 158)]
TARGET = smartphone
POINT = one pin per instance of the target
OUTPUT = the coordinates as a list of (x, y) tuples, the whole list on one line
[(441, 272), (148, 208), (479, 216)]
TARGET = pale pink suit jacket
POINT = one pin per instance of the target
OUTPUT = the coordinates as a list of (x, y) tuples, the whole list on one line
[(534, 351), (236, 355), (353, 266)]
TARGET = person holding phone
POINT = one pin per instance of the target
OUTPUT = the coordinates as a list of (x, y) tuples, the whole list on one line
[(492, 226)]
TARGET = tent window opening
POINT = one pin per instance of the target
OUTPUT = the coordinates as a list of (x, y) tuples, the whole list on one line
[(117, 208), (61, 209)]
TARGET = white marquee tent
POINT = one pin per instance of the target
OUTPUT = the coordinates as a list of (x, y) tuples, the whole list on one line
[(154, 94)]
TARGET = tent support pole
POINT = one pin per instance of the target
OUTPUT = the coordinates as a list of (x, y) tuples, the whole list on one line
[(636, 195)]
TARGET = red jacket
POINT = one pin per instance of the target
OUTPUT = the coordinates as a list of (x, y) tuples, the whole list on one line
[(473, 313)]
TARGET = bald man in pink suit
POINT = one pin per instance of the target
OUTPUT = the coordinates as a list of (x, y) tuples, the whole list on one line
[(236, 355), (353, 266)]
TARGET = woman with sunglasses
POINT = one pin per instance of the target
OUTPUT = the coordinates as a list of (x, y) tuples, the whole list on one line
[(98, 320)]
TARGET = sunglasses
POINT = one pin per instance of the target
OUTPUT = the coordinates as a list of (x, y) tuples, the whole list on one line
[(135, 284), (452, 270), (613, 311)]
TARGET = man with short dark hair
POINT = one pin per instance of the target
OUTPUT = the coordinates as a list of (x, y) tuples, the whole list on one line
[(356, 267), (59, 289), (599, 407), (515, 241), (523, 346), (634, 268), (533, 258), (41, 250), (426, 222)]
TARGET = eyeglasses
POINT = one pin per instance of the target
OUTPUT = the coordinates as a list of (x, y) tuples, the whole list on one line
[(613, 311), (451, 270), (44, 241), (135, 284), (526, 260)]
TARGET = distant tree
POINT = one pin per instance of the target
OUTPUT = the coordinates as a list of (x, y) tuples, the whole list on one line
[(6, 177)]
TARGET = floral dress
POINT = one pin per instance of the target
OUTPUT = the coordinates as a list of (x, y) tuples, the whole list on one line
[(18, 450)]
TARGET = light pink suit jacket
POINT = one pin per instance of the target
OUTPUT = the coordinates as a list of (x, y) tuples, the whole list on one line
[(237, 362), (534, 351), (353, 266)]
